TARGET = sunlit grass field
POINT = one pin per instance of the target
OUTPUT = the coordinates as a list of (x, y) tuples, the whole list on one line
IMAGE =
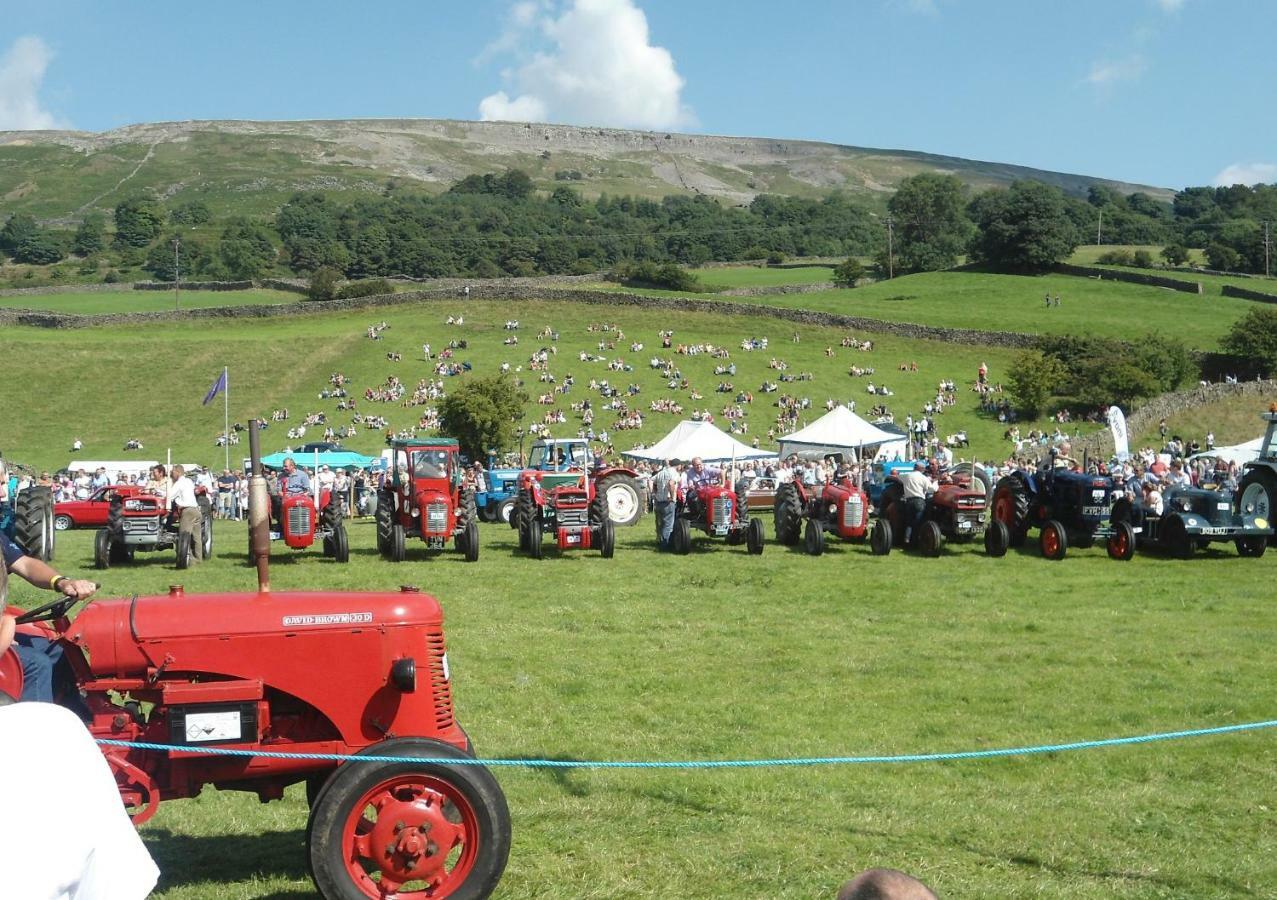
[(94, 303), (720, 655)]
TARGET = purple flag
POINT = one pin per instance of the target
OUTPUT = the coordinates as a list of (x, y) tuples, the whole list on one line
[(218, 386)]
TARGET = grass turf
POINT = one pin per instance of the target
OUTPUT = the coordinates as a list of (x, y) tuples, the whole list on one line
[(91, 303), (721, 655)]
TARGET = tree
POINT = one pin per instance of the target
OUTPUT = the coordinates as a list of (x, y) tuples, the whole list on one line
[(323, 284), (15, 231), (194, 212), (90, 237), (849, 272), (482, 413), (1033, 377), (39, 248), (1254, 337), (931, 225), (245, 250), (137, 221), (1175, 254), (1222, 257), (1023, 229)]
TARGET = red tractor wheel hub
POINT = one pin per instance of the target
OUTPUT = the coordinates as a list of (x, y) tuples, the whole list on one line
[(405, 830)]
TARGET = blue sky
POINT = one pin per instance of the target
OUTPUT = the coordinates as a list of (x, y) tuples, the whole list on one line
[(1165, 92)]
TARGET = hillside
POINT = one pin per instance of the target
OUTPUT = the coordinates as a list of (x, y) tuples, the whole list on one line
[(251, 167)]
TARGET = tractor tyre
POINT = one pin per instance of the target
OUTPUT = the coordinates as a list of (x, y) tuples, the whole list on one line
[(1252, 547), (880, 537), (787, 515), (814, 539), (525, 510), (598, 512), (742, 496), (754, 537), (451, 826), (1121, 543), (206, 533), (328, 547), (397, 548), (505, 509), (623, 497), (891, 509), (341, 543), (930, 540), (466, 509), (102, 549), (1257, 495), (535, 534), (385, 517), (33, 522), (1054, 540), (1011, 507), (607, 539), (1175, 538), (185, 548), (996, 539), (121, 553), (472, 541), (1123, 511), (681, 537)]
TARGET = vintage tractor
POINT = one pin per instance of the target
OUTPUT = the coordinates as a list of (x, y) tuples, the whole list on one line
[(1194, 518), (142, 522), (332, 674), (620, 487), (839, 507), (304, 518), (26, 515), (425, 496), (1068, 507), (957, 511), (566, 505), (716, 510), (1257, 493)]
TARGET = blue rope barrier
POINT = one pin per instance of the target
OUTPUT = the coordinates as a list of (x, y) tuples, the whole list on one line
[(712, 764)]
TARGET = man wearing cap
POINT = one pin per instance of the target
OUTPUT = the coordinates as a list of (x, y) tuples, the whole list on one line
[(917, 485), (664, 501)]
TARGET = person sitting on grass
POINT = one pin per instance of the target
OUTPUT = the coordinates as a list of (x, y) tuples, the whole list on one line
[(885, 884)]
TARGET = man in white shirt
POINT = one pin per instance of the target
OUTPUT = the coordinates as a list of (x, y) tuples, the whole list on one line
[(917, 485), (190, 520)]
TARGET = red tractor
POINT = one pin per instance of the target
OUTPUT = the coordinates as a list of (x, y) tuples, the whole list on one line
[(840, 507), (718, 511), (958, 511), (303, 518), (566, 505), (425, 496), (142, 522)]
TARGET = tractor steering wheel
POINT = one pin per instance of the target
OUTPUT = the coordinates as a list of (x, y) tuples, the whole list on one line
[(49, 612)]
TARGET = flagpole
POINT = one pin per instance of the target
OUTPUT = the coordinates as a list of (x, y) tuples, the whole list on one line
[(226, 412)]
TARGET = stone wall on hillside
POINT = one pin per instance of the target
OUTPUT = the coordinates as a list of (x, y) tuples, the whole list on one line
[(119, 287), (1229, 290), (1175, 284), (1147, 416), (777, 290), (194, 285)]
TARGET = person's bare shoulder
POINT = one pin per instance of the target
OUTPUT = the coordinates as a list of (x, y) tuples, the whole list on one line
[(885, 884)]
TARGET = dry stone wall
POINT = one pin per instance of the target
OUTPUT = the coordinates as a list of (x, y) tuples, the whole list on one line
[(1175, 284), (1229, 290)]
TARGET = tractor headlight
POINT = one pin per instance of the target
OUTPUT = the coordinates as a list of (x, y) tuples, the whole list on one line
[(403, 674), (1261, 522), (833, 509)]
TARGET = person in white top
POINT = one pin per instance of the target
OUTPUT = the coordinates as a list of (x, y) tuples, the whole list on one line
[(917, 486), (190, 520)]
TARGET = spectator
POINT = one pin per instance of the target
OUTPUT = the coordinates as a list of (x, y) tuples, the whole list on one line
[(226, 495), (885, 884), (664, 500), (190, 520)]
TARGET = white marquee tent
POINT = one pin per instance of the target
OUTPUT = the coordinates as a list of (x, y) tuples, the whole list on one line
[(836, 431), (703, 439), (1238, 453)]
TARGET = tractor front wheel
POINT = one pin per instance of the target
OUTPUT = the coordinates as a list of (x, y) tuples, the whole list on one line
[(814, 538), (1175, 537), (396, 546), (533, 535), (880, 537), (1011, 507), (681, 537), (341, 544), (102, 549), (754, 537), (787, 516), (996, 539), (1121, 543), (410, 829), (472, 541), (1053, 541), (185, 550), (1253, 547), (607, 539), (930, 540)]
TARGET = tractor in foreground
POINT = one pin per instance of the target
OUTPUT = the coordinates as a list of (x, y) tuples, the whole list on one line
[(360, 674), (1257, 492), (425, 496), (141, 522), (566, 505), (1192, 519), (717, 511), (958, 512), (839, 507), (1069, 508)]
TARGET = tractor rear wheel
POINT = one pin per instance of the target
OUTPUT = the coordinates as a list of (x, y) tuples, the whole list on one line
[(1257, 494), (996, 539), (472, 541), (814, 538), (880, 537), (385, 516), (1053, 541), (1011, 507), (681, 537), (607, 539), (102, 549), (185, 548), (623, 498), (33, 522), (1121, 543), (466, 508), (754, 537), (341, 543), (524, 510), (1175, 537), (505, 509), (534, 534), (409, 828), (787, 514), (930, 540), (1253, 547)]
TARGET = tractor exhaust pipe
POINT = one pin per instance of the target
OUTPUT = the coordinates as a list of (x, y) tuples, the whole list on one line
[(258, 512)]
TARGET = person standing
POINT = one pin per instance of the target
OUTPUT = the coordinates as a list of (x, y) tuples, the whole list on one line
[(226, 494), (917, 485), (190, 520), (665, 501)]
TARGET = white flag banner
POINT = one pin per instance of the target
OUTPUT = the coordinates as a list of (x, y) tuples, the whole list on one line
[(1117, 425)]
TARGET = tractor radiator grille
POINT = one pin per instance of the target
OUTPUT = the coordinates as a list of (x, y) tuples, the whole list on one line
[(853, 511), (436, 517), (722, 510), (299, 519), (440, 687), (573, 518), (148, 525)]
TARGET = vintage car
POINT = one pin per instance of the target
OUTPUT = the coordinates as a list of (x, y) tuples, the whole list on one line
[(93, 512)]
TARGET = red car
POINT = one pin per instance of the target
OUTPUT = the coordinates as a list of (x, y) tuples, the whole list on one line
[(93, 512)]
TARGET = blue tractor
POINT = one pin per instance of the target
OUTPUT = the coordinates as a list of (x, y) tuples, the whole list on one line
[(1066, 506)]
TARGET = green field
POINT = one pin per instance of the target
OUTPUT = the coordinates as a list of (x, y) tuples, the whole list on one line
[(91, 303), (722, 277), (721, 655), (1089, 254), (159, 374), (1234, 421)]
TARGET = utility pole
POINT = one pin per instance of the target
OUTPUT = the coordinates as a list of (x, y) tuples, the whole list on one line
[(177, 275), (891, 258), (1099, 228), (1267, 247)]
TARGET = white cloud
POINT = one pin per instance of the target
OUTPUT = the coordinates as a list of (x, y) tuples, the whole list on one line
[(600, 68), (1246, 173), (21, 74), (1107, 72)]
